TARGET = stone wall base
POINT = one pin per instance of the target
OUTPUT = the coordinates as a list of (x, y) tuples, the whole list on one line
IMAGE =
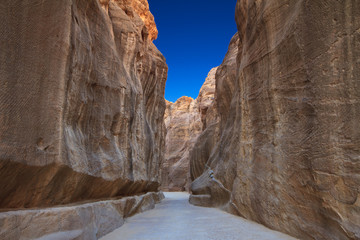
[(81, 222)]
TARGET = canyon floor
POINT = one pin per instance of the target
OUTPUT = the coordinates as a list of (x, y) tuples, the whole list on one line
[(175, 218)]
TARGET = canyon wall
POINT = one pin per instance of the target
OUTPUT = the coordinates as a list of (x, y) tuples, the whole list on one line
[(287, 154), (184, 121), (81, 101)]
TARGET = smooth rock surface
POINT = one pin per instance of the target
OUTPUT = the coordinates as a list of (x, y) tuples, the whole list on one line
[(289, 145), (174, 219), (81, 101), (88, 221), (184, 120)]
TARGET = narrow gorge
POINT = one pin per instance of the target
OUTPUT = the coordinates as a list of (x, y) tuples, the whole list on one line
[(282, 145), (87, 139), (184, 120)]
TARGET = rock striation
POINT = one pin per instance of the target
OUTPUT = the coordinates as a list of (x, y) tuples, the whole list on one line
[(184, 120), (81, 101), (288, 97)]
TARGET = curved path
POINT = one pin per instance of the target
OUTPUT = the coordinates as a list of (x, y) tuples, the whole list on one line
[(175, 219)]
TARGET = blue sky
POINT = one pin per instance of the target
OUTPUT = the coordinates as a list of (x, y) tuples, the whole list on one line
[(193, 36)]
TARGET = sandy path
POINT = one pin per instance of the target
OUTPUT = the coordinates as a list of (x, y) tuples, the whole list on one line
[(174, 218)]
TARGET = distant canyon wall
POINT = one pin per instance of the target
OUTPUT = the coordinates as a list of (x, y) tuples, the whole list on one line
[(81, 101), (184, 120), (288, 96)]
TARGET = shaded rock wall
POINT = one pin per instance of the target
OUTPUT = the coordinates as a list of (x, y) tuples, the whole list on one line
[(81, 101), (289, 146), (184, 121)]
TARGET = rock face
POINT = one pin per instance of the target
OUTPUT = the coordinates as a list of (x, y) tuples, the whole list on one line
[(81, 101), (184, 121), (288, 150), (183, 124), (139, 8)]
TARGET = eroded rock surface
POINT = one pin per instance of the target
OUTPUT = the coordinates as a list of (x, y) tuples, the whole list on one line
[(289, 145), (81, 101), (185, 119)]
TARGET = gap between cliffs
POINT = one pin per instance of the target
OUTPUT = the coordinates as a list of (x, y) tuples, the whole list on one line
[(193, 125), (277, 140)]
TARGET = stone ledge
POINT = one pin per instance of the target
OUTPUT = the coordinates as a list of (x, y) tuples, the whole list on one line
[(86, 221)]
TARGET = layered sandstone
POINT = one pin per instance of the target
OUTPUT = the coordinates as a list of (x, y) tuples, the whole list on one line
[(289, 145), (184, 120), (81, 101)]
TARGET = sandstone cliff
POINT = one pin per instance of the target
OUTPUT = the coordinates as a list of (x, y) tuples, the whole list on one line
[(289, 145), (81, 101), (184, 120)]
